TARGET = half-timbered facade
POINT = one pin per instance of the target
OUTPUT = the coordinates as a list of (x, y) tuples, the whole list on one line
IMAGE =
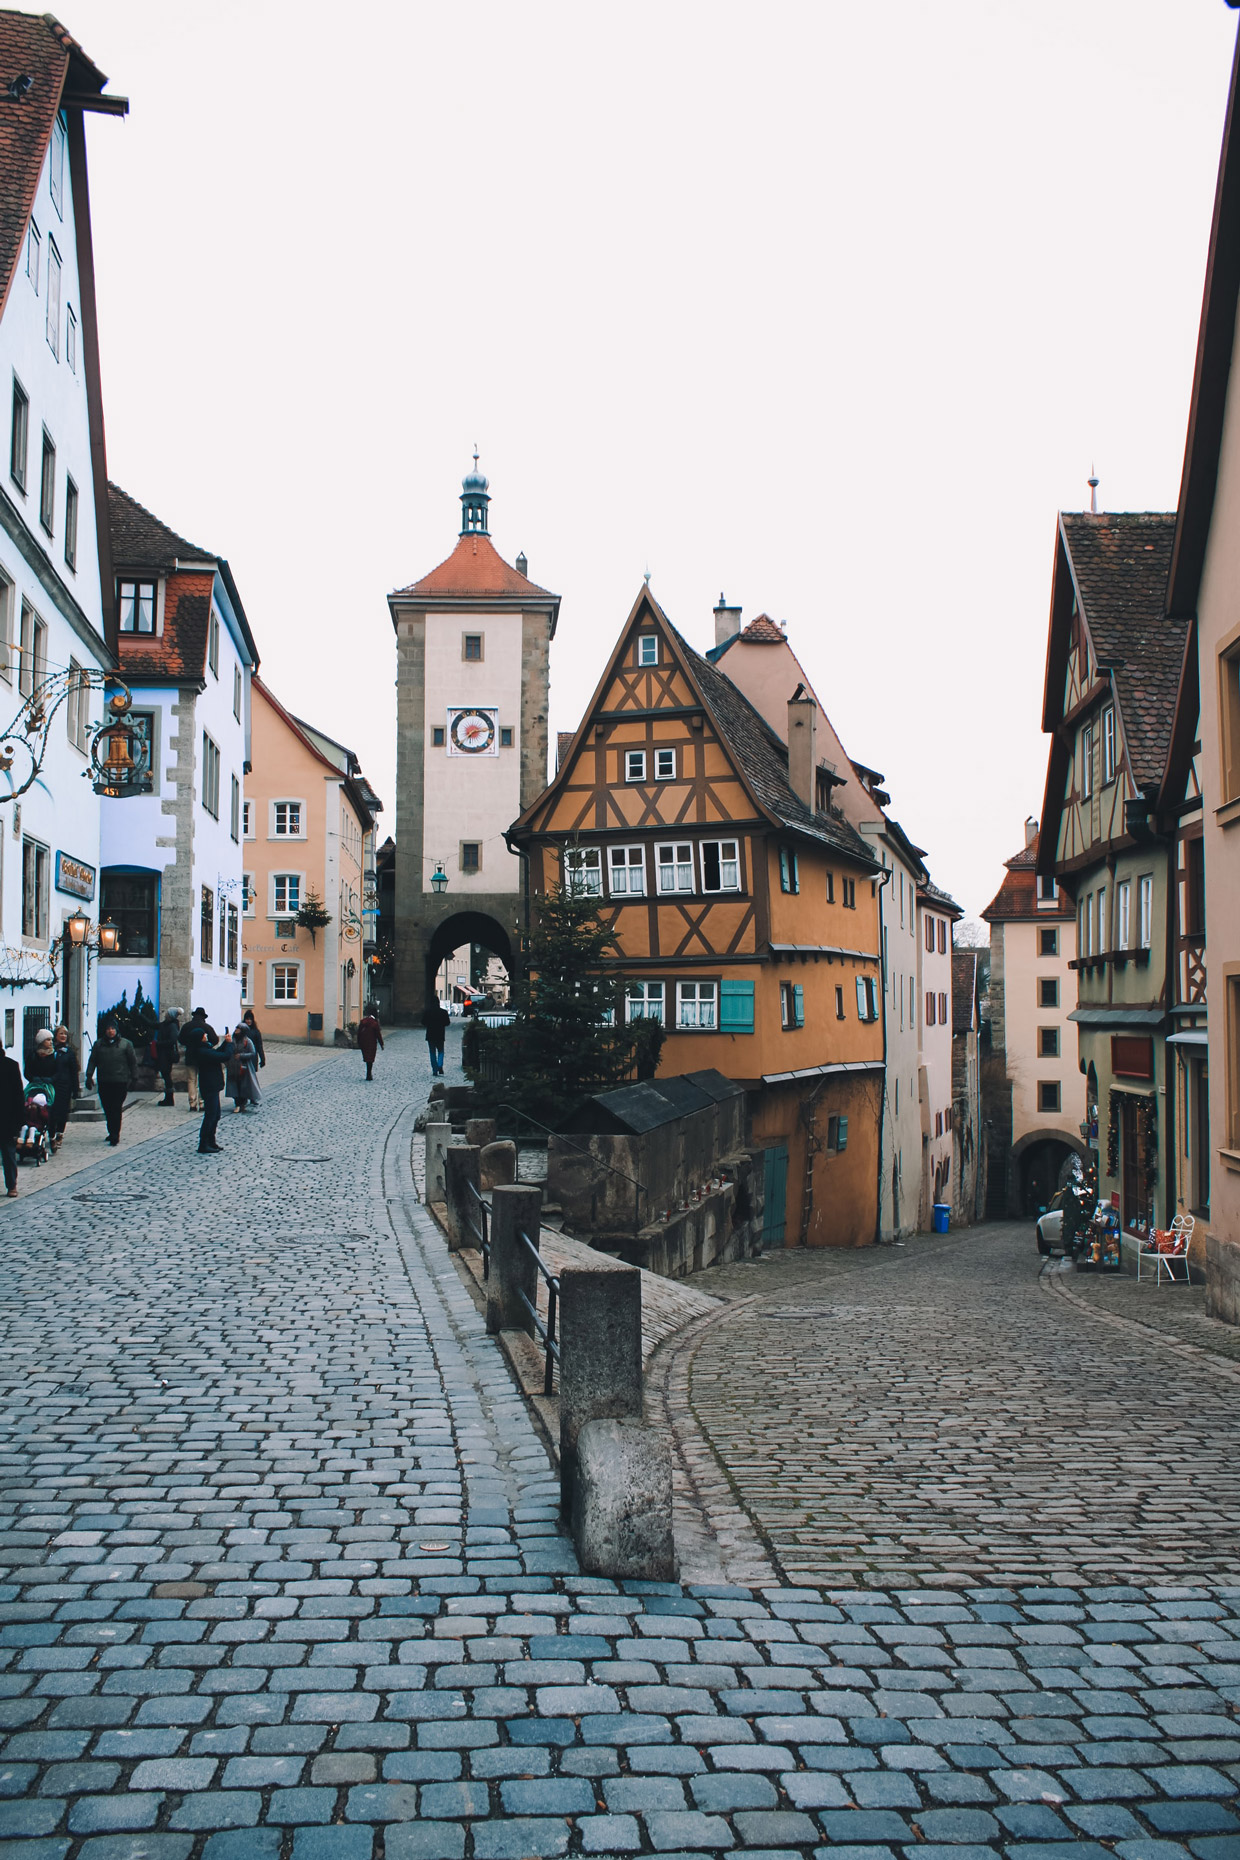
[(1113, 674), (745, 909)]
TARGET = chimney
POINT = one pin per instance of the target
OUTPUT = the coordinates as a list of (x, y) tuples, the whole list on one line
[(1031, 830), (803, 746), (522, 566), (727, 621)]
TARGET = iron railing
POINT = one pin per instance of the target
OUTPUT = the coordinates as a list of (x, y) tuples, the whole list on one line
[(639, 1188), (546, 1331), (480, 1228)]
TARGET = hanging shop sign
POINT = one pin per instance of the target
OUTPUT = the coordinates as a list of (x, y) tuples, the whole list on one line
[(74, 877)]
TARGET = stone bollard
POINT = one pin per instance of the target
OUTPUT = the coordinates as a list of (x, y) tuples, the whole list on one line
[(513, 1210), (600, 1354), (439, 1090), (622, 1502), (499, 1165), (461, 1174), (480, 1130), (438, 1136)]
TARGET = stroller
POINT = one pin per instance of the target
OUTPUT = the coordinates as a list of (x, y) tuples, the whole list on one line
[(33, 1143)]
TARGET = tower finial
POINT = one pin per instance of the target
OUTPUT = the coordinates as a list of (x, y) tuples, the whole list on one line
[(474, 501), (1093, 490)]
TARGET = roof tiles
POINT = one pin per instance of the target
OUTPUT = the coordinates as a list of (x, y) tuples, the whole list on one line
[(474, 569)]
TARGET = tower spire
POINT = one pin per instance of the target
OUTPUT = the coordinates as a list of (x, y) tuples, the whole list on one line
[(475, 497)]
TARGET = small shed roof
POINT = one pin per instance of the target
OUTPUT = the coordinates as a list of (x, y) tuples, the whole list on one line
[(631, 1110)]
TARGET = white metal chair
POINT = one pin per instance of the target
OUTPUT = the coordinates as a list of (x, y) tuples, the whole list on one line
[(1168, 1251)]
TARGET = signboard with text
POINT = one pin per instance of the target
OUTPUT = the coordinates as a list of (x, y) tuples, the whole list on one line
[(75, 877)]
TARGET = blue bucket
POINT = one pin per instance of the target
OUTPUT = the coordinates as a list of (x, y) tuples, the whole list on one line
[(942, 1216)]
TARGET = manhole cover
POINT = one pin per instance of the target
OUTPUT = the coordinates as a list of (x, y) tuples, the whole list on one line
[(790, 1317), (88, 1194)]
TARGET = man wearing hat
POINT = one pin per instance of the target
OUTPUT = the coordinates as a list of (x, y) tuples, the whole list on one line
[(191, 1038)]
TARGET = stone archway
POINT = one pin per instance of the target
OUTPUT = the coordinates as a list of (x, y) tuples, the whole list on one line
[(465, 927), (1039, 1159)]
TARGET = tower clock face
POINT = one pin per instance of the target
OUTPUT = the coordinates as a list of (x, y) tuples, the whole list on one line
[(472, 733)]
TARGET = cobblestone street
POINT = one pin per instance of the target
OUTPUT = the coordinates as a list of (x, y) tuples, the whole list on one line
[(282, 1577)]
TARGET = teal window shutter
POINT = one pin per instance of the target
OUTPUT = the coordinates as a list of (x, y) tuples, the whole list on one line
[(841, 1134), (862, 999), (735, 1007), (798, 1005)]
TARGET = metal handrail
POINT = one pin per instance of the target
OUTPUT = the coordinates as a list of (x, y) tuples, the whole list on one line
[(610, 1167), (546, 1331), (481, 1231)]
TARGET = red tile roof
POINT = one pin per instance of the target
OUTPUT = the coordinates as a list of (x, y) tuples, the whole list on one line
[(141, 540), (1017, 896), (475, 569), (763, 631), (144, 545)]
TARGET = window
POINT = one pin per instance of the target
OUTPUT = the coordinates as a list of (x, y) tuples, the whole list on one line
[(247, 894), (850, 894), (696, 1004), (634, 765), (736, 1007), (1145, 907), (36, 864), (285, 894), (665, 765), (213, 643), (1085, 926), (1108, 745), (1087, 762), (674, 865), (47, 484), (56, 167), (33, 668), (930, 933), (1048, 1095), (247, 820), (285, 982), (721, 865), (471, 648), (234, 818), (136, 600), (71, 339), (233, 927), (71, 523), (647, 649), (52, 320), (789, 875), (1194, 887), (942, 1010), (471, 856), (1048, 942), (505, 736), (19, 434), (626, 871), (206, 925), (1231, 1056), (1102, 921), (131, 900), (791, 1005), (6, 629), (77, 706), (210, 776), (247, 985), (1048, 1042), (34, 248), (237, 692), (929, 1009), (942, 936), (644, 1001), (839, 1003), (1123, 914), (583, 871), (830, 887), (286, 820), (1229, 711), (1048, 991), (1048, 891), (938, 1123), (438, 735)]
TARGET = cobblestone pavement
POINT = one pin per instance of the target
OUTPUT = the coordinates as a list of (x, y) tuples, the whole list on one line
[(281, 1578)]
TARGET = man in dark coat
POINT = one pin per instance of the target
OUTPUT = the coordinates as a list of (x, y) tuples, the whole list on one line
[(369, 1039), (212, 1055), (191, 1039), (115, 1063), (12, 1117), (437, 1020), (167, 1046)]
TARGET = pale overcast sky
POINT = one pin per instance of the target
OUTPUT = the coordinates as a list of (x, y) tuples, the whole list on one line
[(829, 307)]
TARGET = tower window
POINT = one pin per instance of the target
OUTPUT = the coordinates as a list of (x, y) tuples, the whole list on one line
[(438, 736), (505, 736), (647, 649), (471, 648), (471, 856)]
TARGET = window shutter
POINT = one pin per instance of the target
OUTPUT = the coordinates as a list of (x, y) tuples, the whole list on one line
[(798, 1005), (736, 1007), (861, 1003), (841, 1133)]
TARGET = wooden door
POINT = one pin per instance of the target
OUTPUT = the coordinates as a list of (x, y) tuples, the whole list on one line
[(1132, 1174), (775, 1195)]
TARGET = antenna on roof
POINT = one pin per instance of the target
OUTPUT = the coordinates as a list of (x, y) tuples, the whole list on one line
[(1093, 490)]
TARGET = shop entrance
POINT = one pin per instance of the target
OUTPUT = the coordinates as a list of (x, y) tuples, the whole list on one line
[(1134, 1196)]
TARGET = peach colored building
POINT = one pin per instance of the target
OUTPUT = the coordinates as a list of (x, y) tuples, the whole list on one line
[(308, 812)]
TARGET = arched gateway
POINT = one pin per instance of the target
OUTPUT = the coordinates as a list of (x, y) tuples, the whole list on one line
[(473, 649)]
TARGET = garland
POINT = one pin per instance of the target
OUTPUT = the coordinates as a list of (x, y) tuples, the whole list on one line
[(25, 968), (1147, 1121)]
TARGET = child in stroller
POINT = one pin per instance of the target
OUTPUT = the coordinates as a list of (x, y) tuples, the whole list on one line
[(32, 1139)]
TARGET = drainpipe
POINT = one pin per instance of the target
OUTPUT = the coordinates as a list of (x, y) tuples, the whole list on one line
[(885, 880)]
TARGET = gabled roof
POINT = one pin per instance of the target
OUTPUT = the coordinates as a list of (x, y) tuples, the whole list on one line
[(354, 783), (142, 540), (38, 47), (475, 571), (938, 899), (143, 544), (1017, 896), (760, 758)]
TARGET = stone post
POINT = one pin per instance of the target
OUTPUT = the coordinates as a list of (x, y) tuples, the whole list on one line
[(480, 1130), (513, 1210), (600, 1355), (462, 1173), (438, 1136), (499, 1165)]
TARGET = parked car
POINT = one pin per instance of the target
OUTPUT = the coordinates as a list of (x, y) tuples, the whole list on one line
[(1049, 1227), (1061, 1229)]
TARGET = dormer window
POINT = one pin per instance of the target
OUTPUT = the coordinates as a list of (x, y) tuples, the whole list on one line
[(136, 600), (647, 649)]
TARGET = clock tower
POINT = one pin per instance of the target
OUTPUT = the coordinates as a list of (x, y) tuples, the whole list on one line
[(473, 656)]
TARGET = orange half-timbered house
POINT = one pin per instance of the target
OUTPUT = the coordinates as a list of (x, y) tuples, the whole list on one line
[(745, 909)]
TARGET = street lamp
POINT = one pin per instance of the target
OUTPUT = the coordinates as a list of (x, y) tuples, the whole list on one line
[(76, 928), (109, 938), (439, 880)]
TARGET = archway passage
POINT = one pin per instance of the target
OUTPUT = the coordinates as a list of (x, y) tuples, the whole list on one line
[(1042, 1169), (466, 928)]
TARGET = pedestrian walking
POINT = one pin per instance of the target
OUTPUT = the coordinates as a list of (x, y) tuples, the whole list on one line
[(115, 1064), (369, 1039), (243, 1070), (67, 1080), (252, 1029), (213, 1056), (437, 1020), (167, 1044), (12, 1117), (191, 1039)]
